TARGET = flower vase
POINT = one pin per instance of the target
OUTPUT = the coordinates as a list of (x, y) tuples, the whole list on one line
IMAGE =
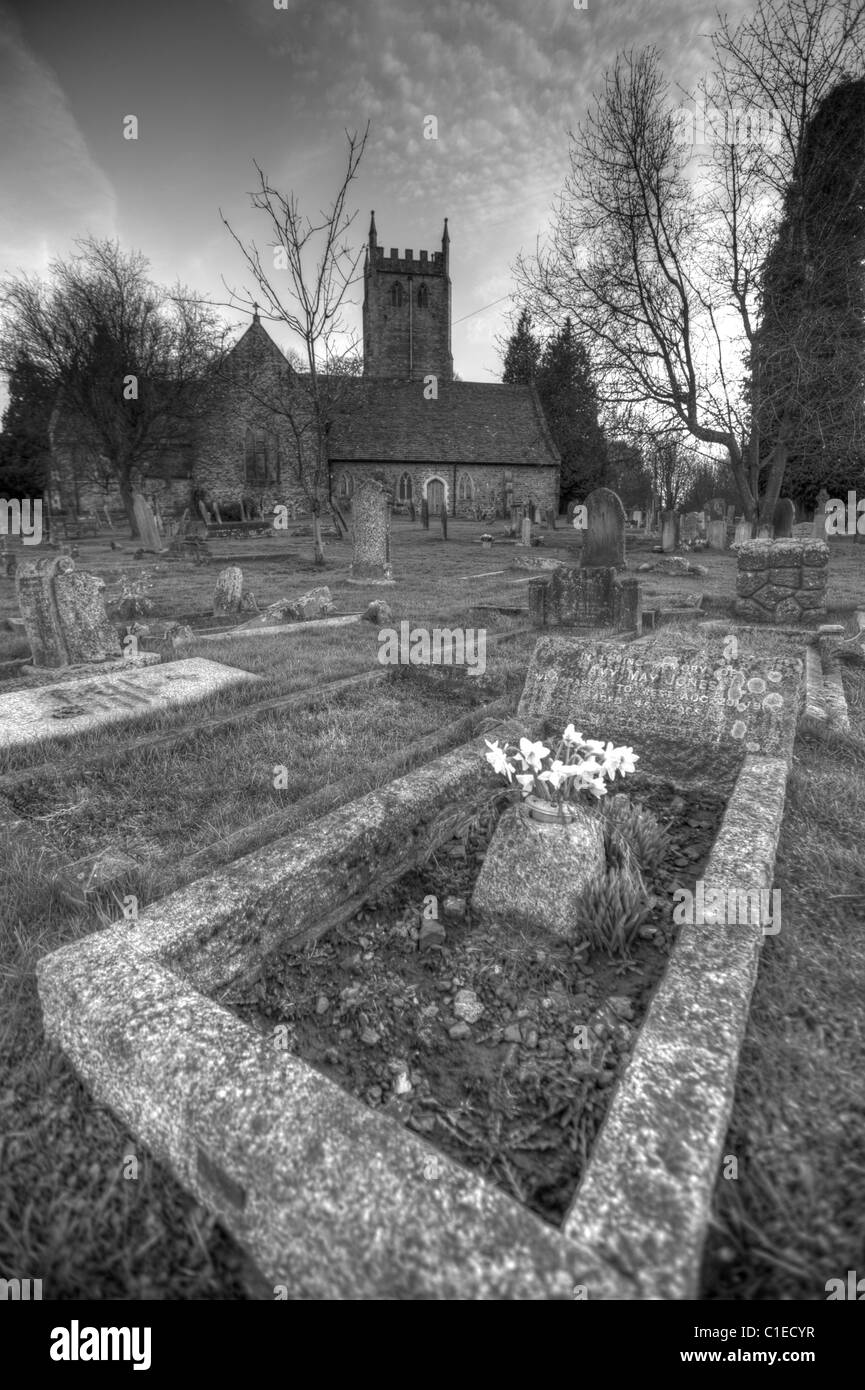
[(540, 861)]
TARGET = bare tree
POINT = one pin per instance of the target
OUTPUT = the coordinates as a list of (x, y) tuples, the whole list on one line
[(321, 268), (130, 360), (660, 264)]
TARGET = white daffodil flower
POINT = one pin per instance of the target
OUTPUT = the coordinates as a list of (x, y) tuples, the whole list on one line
[(532, 754), (498, 759)]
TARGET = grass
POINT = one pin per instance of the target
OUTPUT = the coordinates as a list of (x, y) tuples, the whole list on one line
[(87, 1210), (794, 1218)]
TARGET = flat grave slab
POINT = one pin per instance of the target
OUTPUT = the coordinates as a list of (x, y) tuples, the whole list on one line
[(75, 706)]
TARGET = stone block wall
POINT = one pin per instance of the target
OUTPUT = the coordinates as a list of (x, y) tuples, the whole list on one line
[(782, 581)]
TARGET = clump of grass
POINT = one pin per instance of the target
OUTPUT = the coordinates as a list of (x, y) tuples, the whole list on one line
[(612, 911), (632, 832)]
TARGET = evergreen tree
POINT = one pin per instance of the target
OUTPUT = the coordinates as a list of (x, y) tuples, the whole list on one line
[(522, 353), (24, 445), (809, 355), (570, 402)]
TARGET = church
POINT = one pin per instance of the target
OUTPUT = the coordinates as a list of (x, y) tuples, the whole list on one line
[(473, 449)]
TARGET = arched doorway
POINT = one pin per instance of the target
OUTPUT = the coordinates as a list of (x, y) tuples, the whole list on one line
[(435, 496)]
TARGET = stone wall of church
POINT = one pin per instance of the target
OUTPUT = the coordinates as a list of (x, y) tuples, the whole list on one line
[(476, 491)]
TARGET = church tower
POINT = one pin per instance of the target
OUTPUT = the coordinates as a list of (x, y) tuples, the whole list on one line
[(406, 312)]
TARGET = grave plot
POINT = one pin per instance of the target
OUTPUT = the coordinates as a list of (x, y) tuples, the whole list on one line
[(501, 1047), (328, 1194)]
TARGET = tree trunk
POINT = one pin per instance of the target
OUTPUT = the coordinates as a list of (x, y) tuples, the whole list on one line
[(125, 487), (317, 543)]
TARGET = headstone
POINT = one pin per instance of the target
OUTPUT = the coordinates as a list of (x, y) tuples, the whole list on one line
[(604, 537), (444, 522), (526, 531), (588, 598), (205, 514), (782, 581), (78, 706), (783, 517), (217, 514), (690, 528), (669, 529), (411, 511), (717, 534), (228, 592), (693, 711), (64, 615), (744, 531), (369, 523), (820, 514), (146, 523), (716, 509), (731, 515), (424, 513)]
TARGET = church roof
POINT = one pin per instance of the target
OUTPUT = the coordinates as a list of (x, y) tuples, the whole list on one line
[(470, 422)]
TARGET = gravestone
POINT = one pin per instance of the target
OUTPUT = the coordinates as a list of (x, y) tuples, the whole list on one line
[(669, 529), (820, 514), (731, 515), (690, 528), (716, 534), (369, 518), (526, 531), (77, 706), (64, 615), (146, 523), (205, 514), (783, 517), (693, 711), (604, 538), (587, 598), (228, 592), (444, 522), (744, 531), (716, 509), (424, 513)]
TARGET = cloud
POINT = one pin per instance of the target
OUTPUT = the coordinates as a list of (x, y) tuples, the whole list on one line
[(50, 182)]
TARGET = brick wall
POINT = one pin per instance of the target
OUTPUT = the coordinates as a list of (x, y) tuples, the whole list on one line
[(538, 484)]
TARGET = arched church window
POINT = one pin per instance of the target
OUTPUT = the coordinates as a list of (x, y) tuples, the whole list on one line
[(465, 491), (346, 485), (404, 489), (396, 296), (423, 297), (261, 458)]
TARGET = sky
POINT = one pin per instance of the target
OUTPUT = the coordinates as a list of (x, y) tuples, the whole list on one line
[(218, 84)]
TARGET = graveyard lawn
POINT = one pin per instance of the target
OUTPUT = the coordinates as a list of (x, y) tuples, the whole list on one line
[(520, 1092)]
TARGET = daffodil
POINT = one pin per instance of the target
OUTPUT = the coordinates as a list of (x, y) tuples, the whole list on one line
[(532, 754), (498, 759)]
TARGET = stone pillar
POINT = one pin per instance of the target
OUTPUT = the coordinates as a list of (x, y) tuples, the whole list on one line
[(369, 523), (538, 601), (424, 513), (228, 592), (782, 581)]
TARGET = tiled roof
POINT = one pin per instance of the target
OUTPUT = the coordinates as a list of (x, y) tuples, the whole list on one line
[(470, 422)]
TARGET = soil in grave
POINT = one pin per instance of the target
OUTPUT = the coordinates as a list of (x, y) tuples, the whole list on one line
[(518, 1094)]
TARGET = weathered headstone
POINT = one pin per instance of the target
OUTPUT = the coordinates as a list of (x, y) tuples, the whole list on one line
[(424, 513), (820, 514), (526, 531), (782, 581), (731, 515), (444, 523), (716, 534), (783, 517), (690, 528), (716, 509), (228, 592), (693, 711), (744, 531), (64, 615), (587, 598), (369, 523), (669, 531), (146, 523), (76, 706), (604, 537)]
